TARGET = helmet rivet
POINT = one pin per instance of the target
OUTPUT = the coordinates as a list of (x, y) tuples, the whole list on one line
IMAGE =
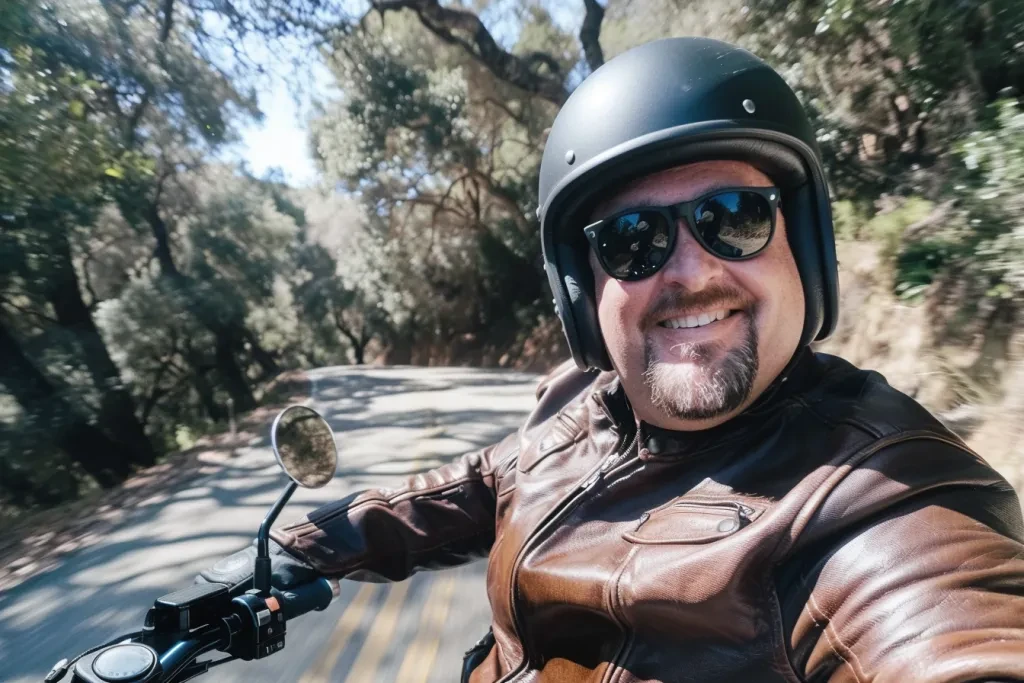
[(570, 157), (749, 106)]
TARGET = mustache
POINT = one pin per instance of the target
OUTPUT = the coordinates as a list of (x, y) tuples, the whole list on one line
[(673, 299)]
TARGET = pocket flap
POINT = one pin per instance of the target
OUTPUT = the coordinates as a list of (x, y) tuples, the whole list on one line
[(563, 431), (692, 522)]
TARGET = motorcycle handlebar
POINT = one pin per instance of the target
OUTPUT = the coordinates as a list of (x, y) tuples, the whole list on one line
[(313, 596), (175, 660)]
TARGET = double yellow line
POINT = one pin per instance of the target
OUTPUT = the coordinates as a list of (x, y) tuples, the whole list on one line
[(419, 654)]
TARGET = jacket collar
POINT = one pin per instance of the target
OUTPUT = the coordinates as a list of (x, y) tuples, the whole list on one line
[(799, 376)]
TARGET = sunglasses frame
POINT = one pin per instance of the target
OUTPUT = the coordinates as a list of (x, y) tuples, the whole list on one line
[(673, 213)]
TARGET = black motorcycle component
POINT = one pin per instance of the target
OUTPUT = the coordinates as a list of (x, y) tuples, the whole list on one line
[(184, 625), (175, 615), (313, 596), (263, 626)]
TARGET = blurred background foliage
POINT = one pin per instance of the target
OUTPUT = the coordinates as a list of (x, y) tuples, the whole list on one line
[(148, 287)]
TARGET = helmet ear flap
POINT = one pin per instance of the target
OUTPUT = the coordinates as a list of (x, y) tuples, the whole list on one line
[(809, 233), (576, 306)]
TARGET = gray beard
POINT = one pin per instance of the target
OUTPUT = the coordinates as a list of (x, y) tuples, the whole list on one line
[(703, 390)]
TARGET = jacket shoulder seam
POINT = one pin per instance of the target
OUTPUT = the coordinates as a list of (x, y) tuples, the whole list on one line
[(861, 425)]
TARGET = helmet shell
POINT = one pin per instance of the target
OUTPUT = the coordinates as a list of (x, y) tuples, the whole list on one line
[(659, 105)]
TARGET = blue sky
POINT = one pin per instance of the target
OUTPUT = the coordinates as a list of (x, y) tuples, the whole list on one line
[(282, 139)]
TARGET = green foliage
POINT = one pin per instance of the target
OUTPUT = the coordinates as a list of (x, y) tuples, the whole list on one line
[(992, 178), (891, 85), (887, 228), (445, 158), (982, 239), (919, 263), (110, 114), (135, 265)]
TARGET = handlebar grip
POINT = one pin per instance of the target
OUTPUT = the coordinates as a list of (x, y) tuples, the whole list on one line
[(315, 595)]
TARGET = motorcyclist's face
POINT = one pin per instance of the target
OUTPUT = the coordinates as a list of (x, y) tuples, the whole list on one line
[(688, 378)]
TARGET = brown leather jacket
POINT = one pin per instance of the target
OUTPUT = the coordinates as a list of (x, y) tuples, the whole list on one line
[(833, 532)]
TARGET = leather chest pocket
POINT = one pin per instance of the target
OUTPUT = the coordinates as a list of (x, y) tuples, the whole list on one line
[(692, 522)]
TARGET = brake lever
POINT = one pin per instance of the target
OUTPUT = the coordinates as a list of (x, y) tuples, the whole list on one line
[(60, 669)]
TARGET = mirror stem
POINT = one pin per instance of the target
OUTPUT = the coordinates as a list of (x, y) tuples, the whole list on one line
[(261, 575)]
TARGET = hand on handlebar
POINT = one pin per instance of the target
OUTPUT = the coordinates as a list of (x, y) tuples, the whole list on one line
[(236, 570)]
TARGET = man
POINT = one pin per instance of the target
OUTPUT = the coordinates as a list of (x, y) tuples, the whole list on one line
[(698, 496)]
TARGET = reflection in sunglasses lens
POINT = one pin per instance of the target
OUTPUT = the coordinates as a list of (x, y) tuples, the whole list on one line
[(632, 245), (732, 225)]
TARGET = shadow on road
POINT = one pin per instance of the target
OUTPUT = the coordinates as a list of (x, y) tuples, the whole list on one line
[(390, 423)]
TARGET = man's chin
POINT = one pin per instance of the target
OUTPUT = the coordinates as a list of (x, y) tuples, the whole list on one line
[(687, 390), (703, 381)]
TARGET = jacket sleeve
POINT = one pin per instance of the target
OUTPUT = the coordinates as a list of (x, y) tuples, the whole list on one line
[(913, 570), (441, 518)]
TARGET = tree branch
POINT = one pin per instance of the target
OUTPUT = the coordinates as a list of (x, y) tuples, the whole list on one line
[(154, 395), (45, 319), (167, 8), (590, 34), (445, 22)]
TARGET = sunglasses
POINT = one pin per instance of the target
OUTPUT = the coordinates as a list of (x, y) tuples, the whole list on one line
[(732, 223)]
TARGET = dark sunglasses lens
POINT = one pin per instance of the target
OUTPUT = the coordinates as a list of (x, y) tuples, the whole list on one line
[(734, 224), (634, 245)]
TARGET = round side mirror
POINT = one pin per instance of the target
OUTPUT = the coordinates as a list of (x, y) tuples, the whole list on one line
[(304, 446)]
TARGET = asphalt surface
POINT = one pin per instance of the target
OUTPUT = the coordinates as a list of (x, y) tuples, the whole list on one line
[(390, 422)]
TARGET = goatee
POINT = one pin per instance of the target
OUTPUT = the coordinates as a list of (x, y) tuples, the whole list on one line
[(701, 388)]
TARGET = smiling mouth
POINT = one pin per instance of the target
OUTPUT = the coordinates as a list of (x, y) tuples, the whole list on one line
[(700, 320)]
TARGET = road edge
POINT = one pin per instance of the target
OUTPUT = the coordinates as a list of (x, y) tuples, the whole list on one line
[(38, 543)]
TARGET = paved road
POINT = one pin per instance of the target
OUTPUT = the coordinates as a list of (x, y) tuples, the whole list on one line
[(413, 632)]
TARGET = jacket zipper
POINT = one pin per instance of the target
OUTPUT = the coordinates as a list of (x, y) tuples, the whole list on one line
[(562, 510)]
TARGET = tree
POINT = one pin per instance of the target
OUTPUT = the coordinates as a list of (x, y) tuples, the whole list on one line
[(51, 171), (109, 112), (892, 85), (445, 158), (104, 459)]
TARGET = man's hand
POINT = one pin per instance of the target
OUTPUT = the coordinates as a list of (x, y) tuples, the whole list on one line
[(236, 570)]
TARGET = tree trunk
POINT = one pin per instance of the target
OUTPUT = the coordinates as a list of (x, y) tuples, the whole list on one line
[(205, 391), (261, 355), (228, 337), (230, 373), (358, 342), (117, 409), (107, 461)]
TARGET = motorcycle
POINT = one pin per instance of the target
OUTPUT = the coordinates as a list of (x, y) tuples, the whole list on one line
[(184, 625)]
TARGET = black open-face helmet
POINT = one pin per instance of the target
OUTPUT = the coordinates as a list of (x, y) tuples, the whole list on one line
[(659, 105)]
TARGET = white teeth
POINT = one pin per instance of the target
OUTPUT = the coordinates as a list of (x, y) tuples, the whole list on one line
[(695, 321)]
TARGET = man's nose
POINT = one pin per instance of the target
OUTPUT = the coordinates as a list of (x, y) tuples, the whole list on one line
[(690, 265)]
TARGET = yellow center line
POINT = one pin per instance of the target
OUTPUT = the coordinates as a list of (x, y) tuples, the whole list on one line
[(419, 657), (379, 641), (349, 622)]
